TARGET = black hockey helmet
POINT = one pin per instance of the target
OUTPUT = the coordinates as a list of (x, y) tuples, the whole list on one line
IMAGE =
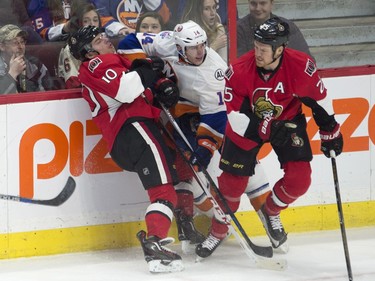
[(274, 32), (80, 41)]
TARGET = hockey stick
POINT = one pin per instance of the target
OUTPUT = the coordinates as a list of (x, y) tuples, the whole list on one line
[(259, 260), (341, 215), (63, 196), (260, 255)]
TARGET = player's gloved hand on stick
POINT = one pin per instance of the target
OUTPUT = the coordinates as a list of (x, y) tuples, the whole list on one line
[(277, 132), (201, 157), (331, 140), (166, 92)]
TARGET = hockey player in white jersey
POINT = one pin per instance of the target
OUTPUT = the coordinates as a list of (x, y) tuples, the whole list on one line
[(201, 113)]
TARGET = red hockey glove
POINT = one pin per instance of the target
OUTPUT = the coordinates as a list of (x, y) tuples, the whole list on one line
[(166, 92), (277, 132), (331, 141)]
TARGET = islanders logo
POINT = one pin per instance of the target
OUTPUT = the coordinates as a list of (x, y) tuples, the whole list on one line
[(128, 12)]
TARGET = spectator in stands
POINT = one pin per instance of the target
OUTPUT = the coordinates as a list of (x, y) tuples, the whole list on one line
[(120, 17), (150, 22), (177, 8), (10, 16), (83, 15), (259, 12), (204, 13), (19, 73), (50, 19)]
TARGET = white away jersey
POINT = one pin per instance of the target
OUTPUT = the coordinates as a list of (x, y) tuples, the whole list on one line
[(136, 45), (201, 87)]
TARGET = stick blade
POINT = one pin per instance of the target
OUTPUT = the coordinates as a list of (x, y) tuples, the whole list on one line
[(264, 251), (63, 196)]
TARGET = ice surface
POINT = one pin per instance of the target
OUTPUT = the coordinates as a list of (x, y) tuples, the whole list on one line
[(313, 256)]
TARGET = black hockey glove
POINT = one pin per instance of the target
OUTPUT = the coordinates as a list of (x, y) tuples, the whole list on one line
[(166, 92), (331, 140), (156, 63), (252, 129), (147, 75), (277, 132)]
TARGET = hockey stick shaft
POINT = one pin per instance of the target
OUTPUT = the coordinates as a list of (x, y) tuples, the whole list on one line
[(62, 197), (263, 251), (341, 215), (257, 256)]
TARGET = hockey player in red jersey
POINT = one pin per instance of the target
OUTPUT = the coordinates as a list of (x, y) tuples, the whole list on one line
[(118, 93), (200, 112), (265, 91)]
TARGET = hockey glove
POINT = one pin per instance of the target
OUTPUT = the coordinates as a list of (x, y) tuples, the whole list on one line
[(331, 141), (147, 75), (156, 63), (201, 157), (166, 92), (277, 132), (252, 129)]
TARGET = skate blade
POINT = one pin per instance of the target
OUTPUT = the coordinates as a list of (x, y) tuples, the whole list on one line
[(282, 249), (156, 266), (187, 247), (198, 259)]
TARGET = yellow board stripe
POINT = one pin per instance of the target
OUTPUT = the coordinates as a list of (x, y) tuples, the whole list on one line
[(122, 235)]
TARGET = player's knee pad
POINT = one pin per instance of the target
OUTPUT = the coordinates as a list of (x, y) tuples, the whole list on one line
[(232, 187), (295, 183), (165, 192), (297, 178)]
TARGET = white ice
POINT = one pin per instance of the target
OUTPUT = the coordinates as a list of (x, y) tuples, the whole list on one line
[(313, 256)]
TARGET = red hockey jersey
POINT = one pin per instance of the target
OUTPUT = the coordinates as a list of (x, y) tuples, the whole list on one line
[(276, 96), (114, 94)]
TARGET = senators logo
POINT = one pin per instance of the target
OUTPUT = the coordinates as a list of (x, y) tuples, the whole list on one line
[(263, 106), (94, 63), (296, 140)]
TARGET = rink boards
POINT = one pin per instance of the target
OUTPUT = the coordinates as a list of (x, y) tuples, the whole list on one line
[(47, 137)]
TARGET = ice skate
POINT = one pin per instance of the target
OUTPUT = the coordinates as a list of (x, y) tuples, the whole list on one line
[(275, 231), (187, 233), (158, 257), (208, 246)]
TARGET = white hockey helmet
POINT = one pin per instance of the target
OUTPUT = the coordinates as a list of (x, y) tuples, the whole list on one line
[(188, 34)]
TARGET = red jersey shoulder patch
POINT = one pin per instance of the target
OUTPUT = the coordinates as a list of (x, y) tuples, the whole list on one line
[(229, 72), (94, 63), (310, 67)]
